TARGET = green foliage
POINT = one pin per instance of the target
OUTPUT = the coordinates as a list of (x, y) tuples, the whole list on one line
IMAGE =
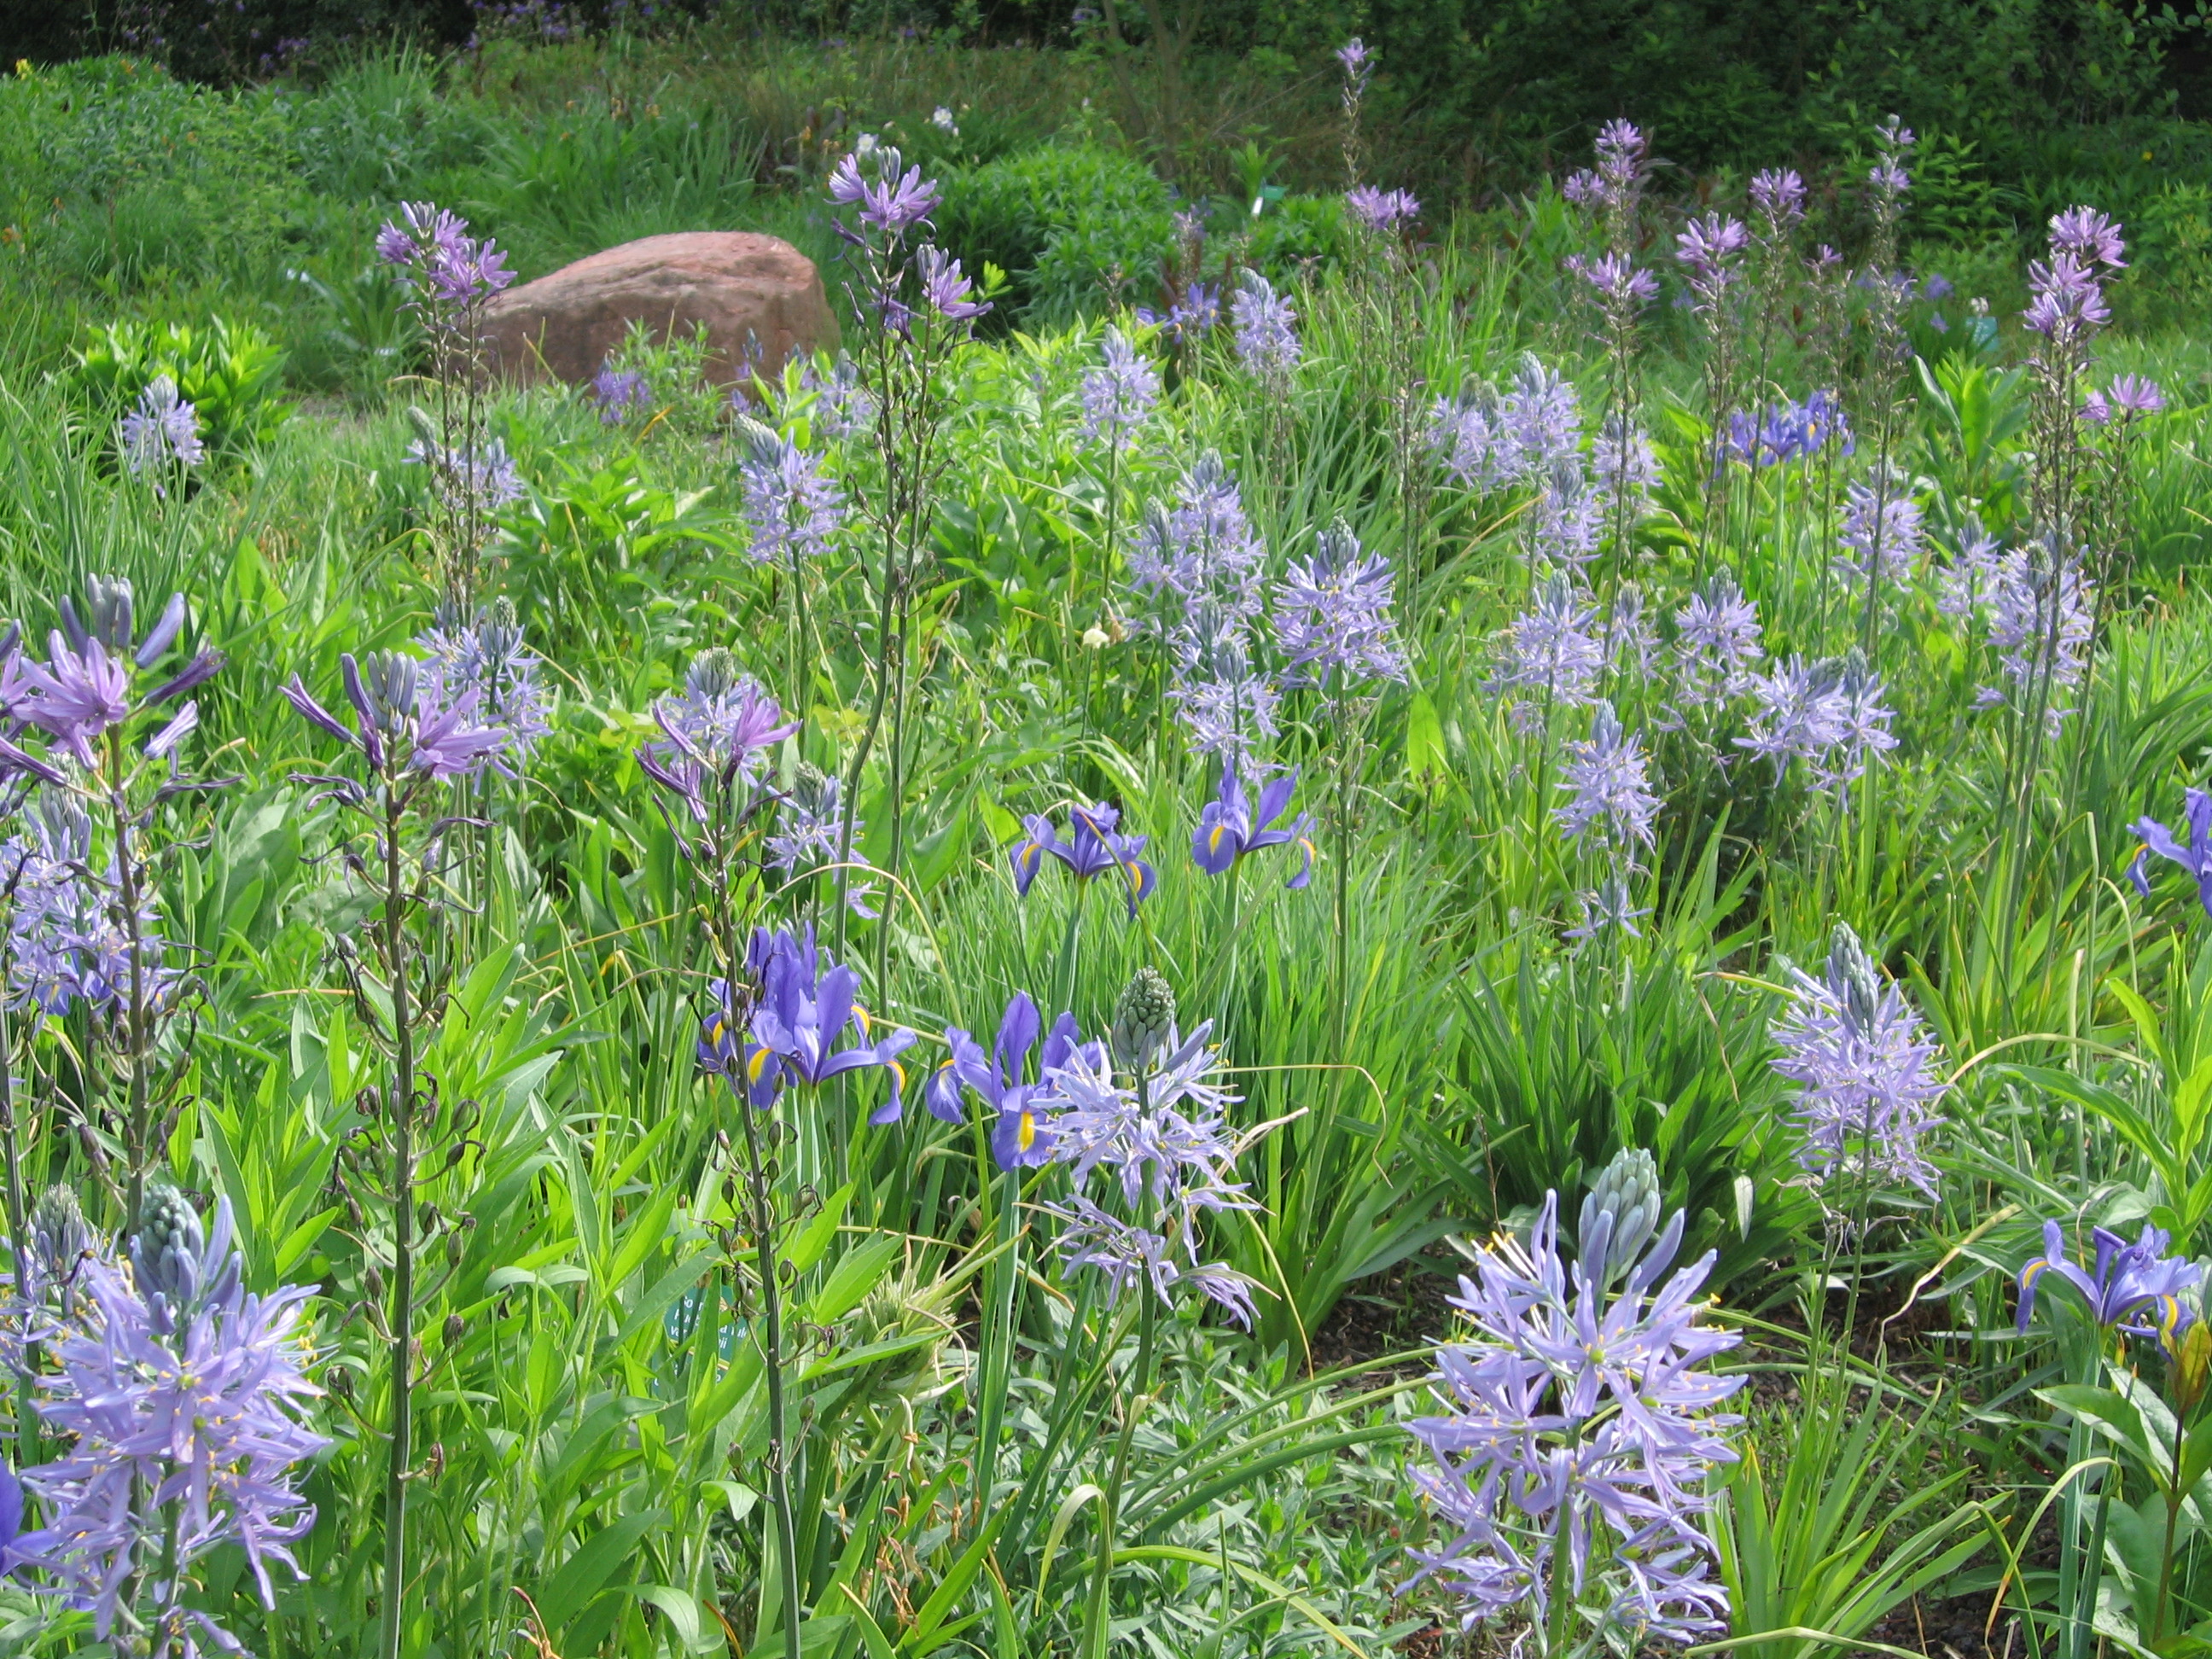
[(1073, 226), (227, 371)]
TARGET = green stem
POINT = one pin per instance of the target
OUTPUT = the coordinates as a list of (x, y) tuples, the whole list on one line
[(400, 1103)]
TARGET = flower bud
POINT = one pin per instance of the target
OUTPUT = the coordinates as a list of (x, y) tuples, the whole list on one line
[(1620, 1216), (1144, 1017), (2190, 1362), (714, 674), (59, 1234), (166, 1251), (339, 1380), (455, 1328), (1852, 978)]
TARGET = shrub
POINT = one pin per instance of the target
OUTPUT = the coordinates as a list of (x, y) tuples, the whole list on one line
[(228, 372), (1070, 224)]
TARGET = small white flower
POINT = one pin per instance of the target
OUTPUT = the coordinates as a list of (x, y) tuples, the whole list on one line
[(942, 119)]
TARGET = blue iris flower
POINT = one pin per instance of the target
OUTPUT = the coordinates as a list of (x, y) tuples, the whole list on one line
[(1229, 828), (1094, 847), (1023, 1136), (801, 1012)]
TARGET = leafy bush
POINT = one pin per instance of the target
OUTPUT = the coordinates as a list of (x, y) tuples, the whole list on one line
[(228, 372), (1070, 224), (144, 179)]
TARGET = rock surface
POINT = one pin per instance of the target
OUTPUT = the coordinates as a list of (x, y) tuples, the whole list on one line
[(758, 297)]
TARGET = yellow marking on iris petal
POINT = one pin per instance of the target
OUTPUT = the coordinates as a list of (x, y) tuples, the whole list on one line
[(717, 1027), (1213, 841), (861, 1014), (1027, 1137), (756, 1064), (2034, 1271), (898, 1077)]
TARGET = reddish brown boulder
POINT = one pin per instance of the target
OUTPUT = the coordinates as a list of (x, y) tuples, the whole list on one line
[(759, 297)]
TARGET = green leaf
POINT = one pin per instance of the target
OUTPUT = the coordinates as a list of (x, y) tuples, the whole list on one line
[(852, 1278), (579, 1579)]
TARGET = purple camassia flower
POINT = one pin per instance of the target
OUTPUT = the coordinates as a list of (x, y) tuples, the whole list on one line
[(715, 733), (1829, 714), (792, 510), (453, 270), (2042, 616), (163, 431), (1189, 319), (1225, 705), (841, 406), (2135, 1288), (2067, 302), (1574, 1413), (1095, 845), (620, 393), (1630, 646), (945, 287), (1616, 280), (1267, 342), (1614, 184), (2089, 236), (808, 827), (1778, 197), (43, 885), (1539, 423), (1358, 65), (1622, 460), (1882, 533), (2194, 855), (1023, 1136), (1205, 546), (1463, 435), (86, 686), (889, 202), (1893, 140), (2067, 295), (470, 482), (183, 1396), (1380, 211), (1608, 790), (1566, 519), (1716, 645), (406, 725), (801, 1012), (488, 660), (1172, 1151), (1119, 394), (1332, 616), (1866, 1072), (1708, 249), (1610, 906), (2129, 398), (1550, 658), (1229, 829)]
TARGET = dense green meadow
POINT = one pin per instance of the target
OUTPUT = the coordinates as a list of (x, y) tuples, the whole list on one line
[(1633, 735)]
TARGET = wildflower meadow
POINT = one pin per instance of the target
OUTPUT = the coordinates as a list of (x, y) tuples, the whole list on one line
[(1399, 932)]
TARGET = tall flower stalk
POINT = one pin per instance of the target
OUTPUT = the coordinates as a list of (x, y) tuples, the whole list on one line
[(113, 743), (412, 734), (449, 276), (1613, 190), (919, 309), (1333, 621), (1887, 288)]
